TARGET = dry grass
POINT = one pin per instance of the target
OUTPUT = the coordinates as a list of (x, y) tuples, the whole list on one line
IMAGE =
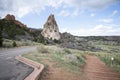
[(58, 55), (42, 49)]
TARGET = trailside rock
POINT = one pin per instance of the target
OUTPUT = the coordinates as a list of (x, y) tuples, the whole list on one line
[(50, 29)]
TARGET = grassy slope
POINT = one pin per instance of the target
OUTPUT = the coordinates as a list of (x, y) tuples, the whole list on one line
[(59, 56), (106, 58), (7, 43)]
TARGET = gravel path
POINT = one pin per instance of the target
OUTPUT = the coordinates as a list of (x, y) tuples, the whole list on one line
[(10, 68)]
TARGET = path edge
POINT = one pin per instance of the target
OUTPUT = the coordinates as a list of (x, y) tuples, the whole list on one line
[(38, 68)]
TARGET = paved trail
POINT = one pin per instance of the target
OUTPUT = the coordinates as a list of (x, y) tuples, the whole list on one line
[(10, 68), (97, 70)]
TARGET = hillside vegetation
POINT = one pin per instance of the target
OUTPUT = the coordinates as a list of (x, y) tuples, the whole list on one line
[(68, 59), (106, 58), (11, 30), (109, 44)]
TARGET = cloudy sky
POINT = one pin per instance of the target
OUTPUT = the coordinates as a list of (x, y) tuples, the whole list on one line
[(78, 17)]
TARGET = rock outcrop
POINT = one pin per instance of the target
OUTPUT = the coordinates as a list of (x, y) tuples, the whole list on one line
[(10, 17), (50, 29), (20, 24)]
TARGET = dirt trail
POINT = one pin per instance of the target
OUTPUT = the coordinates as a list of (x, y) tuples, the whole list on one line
[(94, 69), (55, 72), (97, 70)]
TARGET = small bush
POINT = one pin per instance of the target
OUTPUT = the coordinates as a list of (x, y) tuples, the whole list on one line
[(71, 58), (41, 39), (14, 44), (67, 51), (56, 41), (42, 49)]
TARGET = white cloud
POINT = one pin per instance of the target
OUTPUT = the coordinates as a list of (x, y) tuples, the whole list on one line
[(99, 30), (92, 14), (96, 4), (107, 20), (63, 30), (55, 3), (22, 7), (64, 13), (114, 12), (76, 12)]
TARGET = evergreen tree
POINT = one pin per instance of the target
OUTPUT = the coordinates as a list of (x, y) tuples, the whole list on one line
[(14, 44), (1, 28)]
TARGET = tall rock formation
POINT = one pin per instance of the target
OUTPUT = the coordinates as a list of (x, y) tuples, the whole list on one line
[(10, 17), (50, 29)]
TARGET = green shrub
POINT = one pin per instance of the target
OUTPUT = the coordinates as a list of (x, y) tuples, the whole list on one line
[(1, 41), (67, 51), (12, 29), (56, 41), (42, 49), (41, 39), (1, 29), (14, 44)]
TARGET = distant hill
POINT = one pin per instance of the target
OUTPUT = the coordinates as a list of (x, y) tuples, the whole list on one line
[(16, 30), (11, 30), (108, 44)]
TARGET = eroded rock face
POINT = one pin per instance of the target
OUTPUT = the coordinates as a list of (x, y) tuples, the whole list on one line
[(50, 29), (20, 24), (12, 18)]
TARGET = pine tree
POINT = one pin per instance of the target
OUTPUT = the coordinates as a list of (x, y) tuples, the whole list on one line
[(1, 28)]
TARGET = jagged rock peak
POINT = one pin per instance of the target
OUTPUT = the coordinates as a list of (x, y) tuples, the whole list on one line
[(10, 17), (51, 30), (52, 20)]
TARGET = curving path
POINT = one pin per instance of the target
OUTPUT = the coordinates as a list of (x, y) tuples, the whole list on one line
[(10, 68), (97, 70)]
